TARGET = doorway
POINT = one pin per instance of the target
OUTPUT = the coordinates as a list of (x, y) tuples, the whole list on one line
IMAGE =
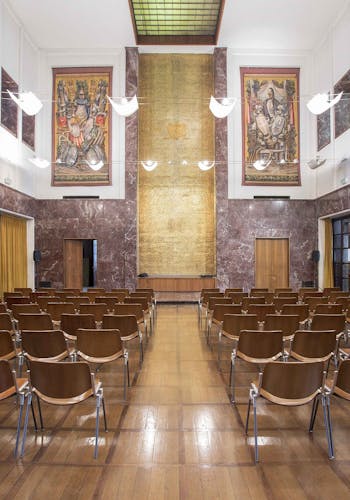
[(80, 263), (272, 263)]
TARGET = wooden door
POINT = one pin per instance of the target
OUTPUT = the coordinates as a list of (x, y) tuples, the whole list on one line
[(271, 263), (73, 264)]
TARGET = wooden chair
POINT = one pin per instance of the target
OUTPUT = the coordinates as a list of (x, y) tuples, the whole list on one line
[(261, 310), (307, 289), (286, 290), (128, 327), (329, 309), (25, 291), (237, 297), (217, 318), (335, 295), (3, 308), (132, 310), (289, 294), (287, 323), (70, 323), (43, 301), (56, 309), (312, 345), (44, 345), (268, 296), (34, 295), (313, 302), (232, 325), (6, 323), (41, 321), (12, 386), (143, 301), (280, 301), (247, 301), (7, 295), (232, 290), (110, 302), (203, 304), (122, 290), (77, 300), (91, 295), (291, 384), (328, 290), (64, 384), (257, 347), (302, 310), (18, 309), (96, 290), (72, 291), (8, 348), (102, 346), (16, 300), (97, 309), (253, 291)]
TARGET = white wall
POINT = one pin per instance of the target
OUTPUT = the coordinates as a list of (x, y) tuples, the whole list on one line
[(331, 60), (19, 58), (283, 59)]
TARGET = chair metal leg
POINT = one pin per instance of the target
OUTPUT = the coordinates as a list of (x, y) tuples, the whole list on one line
[(141, 349), (25, 427), (248, 415), (219, 349), (19, 423), (126, 374), (232, 377), (40, 414), (255, 432), (104, 413), (327, 422), (313, 414), (34, 418), (98, 404)]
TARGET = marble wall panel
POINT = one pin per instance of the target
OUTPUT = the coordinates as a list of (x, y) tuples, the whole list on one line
[(334, 202), (14, 201)]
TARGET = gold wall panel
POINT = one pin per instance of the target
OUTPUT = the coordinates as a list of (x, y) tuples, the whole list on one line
[(176, 201)]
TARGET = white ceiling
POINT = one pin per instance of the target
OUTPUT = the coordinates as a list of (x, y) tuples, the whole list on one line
[(253, 24)]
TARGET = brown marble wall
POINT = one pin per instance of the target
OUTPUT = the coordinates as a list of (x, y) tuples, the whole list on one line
[(334, 202), (13, 200)]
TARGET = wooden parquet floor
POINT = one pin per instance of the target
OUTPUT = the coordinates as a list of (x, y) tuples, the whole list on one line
[(177, 436)]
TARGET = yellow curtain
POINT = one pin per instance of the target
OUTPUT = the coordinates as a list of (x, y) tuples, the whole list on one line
[(13, 253), (328, 278)]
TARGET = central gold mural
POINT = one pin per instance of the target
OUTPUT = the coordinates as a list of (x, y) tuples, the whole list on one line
[(176, 201)]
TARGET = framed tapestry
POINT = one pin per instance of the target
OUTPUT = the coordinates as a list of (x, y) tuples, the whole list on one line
[(323, 129), (9, 109), (270, 126), (81, 127), (342, 108)]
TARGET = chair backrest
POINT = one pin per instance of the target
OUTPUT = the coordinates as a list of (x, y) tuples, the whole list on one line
[(97, 309), (25, 291), (209, 290), (62, 296), (328, 290), (122, 290), (247, 301), (96, 289), (16, 300), (343, 301), (3, 308), (213, 301), (334, 295), (237, 297), (35, 295), (328, 322), (289, 294), (41, 321), (61, 383), (308, 289), (268, 296), (91, 295), (150, 290), (283, 290), (7, 382), (72, 291), (254, 290), (234, 323), (287, 323), (302, 310), (342, 385), (126, 324), (313, 345), (43, 301), (142, 294), (232, 290), (12, 294), (314, 301), (6, 322), (137, 300), (280, 301), (206, 296), (70, 323), (291, 383), (110, 301), (44, 344), (221, 309), (260, 346), (18, 309), (56, 309), (261, 310), (311, 294), (105, 343), (329, 309), (129, 309), (77, 300), (7, 348)]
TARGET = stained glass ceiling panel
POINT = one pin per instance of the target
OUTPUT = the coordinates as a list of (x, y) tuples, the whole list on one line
[(176, 21)]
